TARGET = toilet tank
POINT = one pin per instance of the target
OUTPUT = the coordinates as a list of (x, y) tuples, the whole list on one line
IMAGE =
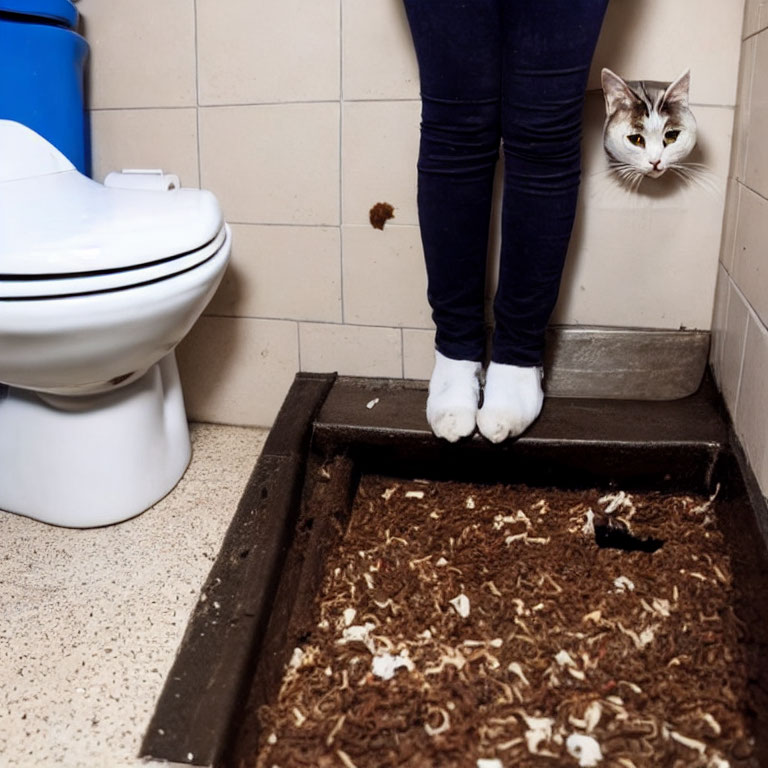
[(42, 60)]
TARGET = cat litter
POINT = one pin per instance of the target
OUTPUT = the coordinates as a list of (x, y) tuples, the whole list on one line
[(503, 634)]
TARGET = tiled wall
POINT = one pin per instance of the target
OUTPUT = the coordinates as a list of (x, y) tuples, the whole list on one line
[(740, 325), (301, 114)]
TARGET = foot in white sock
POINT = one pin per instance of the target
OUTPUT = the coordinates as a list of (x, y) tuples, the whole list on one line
[(512, 400), (454, 391)]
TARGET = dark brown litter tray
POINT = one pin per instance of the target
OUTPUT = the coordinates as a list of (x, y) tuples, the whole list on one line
[(258, 603)]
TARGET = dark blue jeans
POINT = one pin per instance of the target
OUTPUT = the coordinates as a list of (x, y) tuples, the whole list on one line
[(510, 73)]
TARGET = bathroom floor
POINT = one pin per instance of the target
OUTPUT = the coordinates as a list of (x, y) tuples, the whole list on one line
[(92, 619)]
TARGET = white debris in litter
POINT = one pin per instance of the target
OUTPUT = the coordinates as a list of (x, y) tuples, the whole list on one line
[(699, 746), (616, 500), (622, 583), (387, 495), (441, 562), (385, 665), (461, 605), (297, 657), (515, 668), (348, 616), (592, 715), (372, 403), (414, 495), (588, 529), (564, 659), (539, 729), (272, 738), (359, 634), (489, 762), (584, 748), (299, 716), (470, 503), (712, 723), (716, 761), (444, 725)]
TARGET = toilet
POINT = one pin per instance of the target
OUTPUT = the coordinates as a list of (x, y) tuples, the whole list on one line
[(97, 287)]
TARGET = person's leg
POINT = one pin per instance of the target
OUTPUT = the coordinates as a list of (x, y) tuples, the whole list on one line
[(458, 47), (548, 49)]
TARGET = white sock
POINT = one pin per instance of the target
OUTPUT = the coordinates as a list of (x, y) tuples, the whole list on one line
[(454, 391), (512, 399)]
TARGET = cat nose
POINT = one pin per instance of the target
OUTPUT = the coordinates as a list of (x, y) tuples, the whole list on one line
[(655, 164)]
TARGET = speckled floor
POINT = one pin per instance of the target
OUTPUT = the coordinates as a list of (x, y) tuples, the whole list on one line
[(90, 620)]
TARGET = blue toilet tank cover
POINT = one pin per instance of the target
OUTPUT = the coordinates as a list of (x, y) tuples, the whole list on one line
[(59, 11)]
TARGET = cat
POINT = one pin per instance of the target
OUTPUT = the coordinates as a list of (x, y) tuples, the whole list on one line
[(649, 128)]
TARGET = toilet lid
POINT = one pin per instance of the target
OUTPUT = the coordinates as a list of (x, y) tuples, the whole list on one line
[(63, 226)]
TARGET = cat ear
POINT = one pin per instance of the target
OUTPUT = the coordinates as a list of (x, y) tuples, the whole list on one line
[(617, 93), (677, 92)]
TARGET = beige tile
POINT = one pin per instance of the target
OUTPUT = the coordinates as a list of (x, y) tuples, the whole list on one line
[(268, 52), (756, 170), (648, 258), (741, 116), (752, 414), (288, 273), (749, 270), (719, 319), (379, 60), (146, 138), (384, 277), (730, 224), (755, 16), (658, 40), (142, 53), (260, 163), (418, 353), (733, 340), (237, 370), (351, 350), (380, 147)]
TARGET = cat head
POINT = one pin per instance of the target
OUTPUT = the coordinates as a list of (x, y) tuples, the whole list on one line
[(649, 127)]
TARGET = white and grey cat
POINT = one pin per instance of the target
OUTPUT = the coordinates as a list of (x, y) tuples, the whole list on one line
[(649, 127)]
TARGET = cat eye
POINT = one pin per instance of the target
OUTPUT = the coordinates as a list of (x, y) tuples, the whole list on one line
[(670, 137), (636, 139)]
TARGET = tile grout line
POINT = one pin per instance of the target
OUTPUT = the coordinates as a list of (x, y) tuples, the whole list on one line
[(341, 156), (197, 99)]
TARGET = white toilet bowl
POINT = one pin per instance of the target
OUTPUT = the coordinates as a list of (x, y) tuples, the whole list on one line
[(97, 287)]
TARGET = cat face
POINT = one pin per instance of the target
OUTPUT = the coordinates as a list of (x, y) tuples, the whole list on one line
[(649, 127)]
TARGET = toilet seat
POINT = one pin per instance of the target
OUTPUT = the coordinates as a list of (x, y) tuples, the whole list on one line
[(63, 234), (20, 287)]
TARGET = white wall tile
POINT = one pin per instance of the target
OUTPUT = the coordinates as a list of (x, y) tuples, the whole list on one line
[(751, 250), (755, 16), (268, 52), (646, 258), (142, 53), (379, 60), (730, 224), (752, 414), (756, 170), (418, 354), (276, 164), (384, 277), (282, 273), (237, 370), (350, 350), (658, 40), (719, 320), (741, 116), (733, 340), (146, 138), (380, 147)]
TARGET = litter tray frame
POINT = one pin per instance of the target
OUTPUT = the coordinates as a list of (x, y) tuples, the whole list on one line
[(244, 626)]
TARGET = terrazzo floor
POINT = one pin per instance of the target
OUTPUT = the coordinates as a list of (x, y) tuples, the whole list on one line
[(90, 620)]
